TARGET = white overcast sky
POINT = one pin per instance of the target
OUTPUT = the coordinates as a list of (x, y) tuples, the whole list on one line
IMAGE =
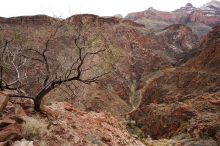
[(66, 8)]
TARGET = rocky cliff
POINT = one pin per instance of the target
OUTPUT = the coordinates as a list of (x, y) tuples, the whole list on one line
[(184, 100), (199, 19)]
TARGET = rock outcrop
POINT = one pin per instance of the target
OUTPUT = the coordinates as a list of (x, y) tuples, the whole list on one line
[(3, 101), (82, 128), (211, 8), (62, 124), (186, 99), (33, 20), (209, 59), (188, 8), (199, 19)]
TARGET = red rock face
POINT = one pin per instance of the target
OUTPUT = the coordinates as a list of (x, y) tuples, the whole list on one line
[(178, 39), (205, 17), (152, 14), (201, 17), (183, 100), (209, 59), (83, 128), (89, 19)]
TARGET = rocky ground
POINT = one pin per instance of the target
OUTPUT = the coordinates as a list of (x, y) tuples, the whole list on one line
[(60, 124)]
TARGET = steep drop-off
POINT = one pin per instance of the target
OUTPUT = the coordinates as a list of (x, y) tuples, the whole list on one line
[(184, 100)]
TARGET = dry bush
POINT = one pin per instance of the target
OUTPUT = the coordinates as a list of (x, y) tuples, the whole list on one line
[(34, 128)]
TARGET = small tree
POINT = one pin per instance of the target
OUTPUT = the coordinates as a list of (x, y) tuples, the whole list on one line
[(16, 59)]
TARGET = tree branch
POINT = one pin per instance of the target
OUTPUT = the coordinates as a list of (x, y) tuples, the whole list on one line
[(21, 96)]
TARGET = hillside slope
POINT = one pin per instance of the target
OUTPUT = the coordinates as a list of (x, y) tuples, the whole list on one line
[(184, 100), (132, 52)]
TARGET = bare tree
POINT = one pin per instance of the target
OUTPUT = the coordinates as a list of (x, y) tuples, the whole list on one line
[(10, 59), (52, 77)]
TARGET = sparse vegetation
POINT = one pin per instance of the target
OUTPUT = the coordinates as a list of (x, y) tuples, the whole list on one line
[(34, 127), (135, 74)]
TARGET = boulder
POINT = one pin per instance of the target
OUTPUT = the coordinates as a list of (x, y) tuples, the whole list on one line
[(6, 121), (3, 101), (11, 132), (19, 111), (23, 142)]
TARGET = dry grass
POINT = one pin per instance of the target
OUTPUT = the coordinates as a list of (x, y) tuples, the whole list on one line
[(34, 127)]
